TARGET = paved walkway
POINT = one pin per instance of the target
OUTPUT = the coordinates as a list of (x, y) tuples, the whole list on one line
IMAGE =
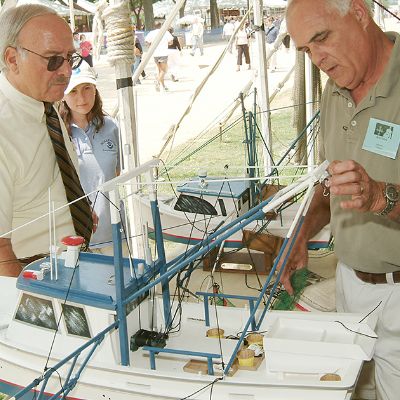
[(157, 111)]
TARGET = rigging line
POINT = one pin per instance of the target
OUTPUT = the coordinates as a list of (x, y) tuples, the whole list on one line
[(197, 149), (226, 129), (204, 236), (184, 212), (193, 225), (216, 119), (217, 321), (358, 333), (230, 179), (263, 140), (186, 278), (182, 296), (250, 255), (240, 167), (386, 9), (172, 132), (270, 110), (201, 147), (203, 388), (179, 298), (129, 251), (64, 302), (61, 385), (206, 230), (168, 329), (362, 319)]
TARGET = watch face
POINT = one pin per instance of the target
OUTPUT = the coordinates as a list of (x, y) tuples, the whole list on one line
[(391, 193)]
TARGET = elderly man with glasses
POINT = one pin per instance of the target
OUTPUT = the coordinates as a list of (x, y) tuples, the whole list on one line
[(37, 56)]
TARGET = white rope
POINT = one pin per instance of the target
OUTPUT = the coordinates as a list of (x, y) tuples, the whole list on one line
[(120, 39)]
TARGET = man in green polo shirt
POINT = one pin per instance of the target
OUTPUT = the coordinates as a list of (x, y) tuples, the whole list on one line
[(360, 126)]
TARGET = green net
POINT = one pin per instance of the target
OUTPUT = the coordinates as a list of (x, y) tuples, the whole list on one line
[(285, 301)]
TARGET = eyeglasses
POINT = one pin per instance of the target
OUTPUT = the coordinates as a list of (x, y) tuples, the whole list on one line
[(55, 62)]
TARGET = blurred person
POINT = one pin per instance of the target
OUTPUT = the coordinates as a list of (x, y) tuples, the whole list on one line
[(86, 49), (160, 54), (197, 36), (175, 51), (77, 42), (242, 45), (271, 33), (227, 32), (137, 53)]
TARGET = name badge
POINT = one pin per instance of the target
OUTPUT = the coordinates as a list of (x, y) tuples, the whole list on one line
[(382, 138)]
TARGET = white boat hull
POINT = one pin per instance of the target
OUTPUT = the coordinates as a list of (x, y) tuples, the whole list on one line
[(22, 361)]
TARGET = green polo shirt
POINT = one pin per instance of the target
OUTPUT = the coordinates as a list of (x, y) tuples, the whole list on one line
[(363, 241)]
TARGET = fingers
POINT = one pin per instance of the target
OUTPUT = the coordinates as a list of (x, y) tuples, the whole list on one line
[(348, 178), (285, 280)]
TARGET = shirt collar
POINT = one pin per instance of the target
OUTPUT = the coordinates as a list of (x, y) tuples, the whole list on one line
[(386, 82), (27, 104), (89, 126)]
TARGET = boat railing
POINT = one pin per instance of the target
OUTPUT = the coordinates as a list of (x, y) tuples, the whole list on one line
[(70, 381), (207, 295), (155, 350)]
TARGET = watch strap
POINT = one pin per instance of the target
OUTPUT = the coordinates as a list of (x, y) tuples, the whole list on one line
[(390, 203)]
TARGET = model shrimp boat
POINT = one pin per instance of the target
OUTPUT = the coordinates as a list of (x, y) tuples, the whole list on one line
[(204, 204), (98, 330)]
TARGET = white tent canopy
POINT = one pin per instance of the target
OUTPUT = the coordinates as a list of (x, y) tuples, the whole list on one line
[(162, 8), (59, 8), (87, 5)]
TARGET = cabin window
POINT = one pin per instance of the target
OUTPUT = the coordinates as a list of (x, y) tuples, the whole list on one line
[(222, 207), (36, 311), (195, 205), (75, 320)]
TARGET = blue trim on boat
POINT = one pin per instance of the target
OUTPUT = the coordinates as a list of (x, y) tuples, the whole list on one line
[(10, 389), (231, 189), (89, 284)]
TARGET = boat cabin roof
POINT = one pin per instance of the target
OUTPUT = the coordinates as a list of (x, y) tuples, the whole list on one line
[(215, 187), (91, 283)]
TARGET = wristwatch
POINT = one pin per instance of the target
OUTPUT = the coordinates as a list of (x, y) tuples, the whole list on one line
[(392, 196)]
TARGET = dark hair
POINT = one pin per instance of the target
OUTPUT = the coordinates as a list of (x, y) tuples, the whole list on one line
[(96, 114)]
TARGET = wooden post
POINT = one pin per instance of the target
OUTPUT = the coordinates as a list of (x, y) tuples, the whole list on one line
[(129, 143)]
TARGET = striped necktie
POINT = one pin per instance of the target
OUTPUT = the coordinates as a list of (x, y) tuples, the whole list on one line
[(80, 210)]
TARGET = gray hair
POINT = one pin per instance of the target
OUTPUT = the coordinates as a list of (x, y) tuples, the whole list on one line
[(342, 6), (13, 20)]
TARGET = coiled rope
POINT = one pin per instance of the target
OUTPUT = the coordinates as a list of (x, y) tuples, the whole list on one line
[(120, 38)]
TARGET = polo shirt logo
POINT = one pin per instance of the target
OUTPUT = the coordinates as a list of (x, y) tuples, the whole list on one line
[(108, 145)]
